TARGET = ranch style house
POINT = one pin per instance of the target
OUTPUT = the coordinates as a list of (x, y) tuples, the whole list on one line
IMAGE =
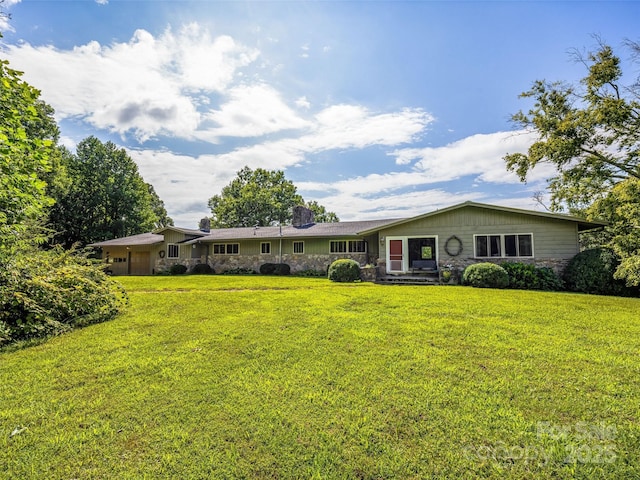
[(455, 237)]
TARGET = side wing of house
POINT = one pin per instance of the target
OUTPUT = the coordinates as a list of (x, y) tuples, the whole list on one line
[(470, 234), (133, 255)]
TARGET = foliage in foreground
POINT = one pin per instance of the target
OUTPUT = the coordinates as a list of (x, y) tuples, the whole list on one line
[(304, 378), (485, 275), (344, 270), (45, 293), (27, 138)]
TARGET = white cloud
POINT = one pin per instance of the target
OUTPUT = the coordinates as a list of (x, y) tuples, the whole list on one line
[(252, 111), (5, 24), (148, 86), (479, 155), (302, 102), (350, 207), (353, 126)]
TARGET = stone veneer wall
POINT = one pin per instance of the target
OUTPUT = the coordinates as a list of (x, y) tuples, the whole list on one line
[(297, 262)]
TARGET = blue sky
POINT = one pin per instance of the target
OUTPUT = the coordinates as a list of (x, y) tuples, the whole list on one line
[(375, 109)]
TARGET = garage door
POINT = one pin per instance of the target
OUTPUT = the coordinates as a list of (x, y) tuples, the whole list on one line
[(140, 263)]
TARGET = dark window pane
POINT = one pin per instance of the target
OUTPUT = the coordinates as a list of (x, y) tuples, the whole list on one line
[(510, 246), (494, 245), (525, 245), (481, 246)]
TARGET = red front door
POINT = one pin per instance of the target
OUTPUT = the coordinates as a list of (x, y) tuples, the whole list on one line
[(395, 255)]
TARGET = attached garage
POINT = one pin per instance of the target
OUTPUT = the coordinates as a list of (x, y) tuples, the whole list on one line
[(130, 255)]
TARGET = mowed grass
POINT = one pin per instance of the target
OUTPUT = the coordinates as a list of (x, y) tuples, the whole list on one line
[(258, 377)]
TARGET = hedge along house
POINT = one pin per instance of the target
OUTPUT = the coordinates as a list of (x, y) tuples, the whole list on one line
[(457, 236), (473, 232)]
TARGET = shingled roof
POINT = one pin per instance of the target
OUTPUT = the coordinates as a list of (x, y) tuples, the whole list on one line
[(133, 240), (315, 230)]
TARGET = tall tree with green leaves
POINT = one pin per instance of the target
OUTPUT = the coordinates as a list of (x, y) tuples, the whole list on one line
[(28, 135), (41, 292), (257, 198), (590, 133), (621, 208), (163, 218), (107, 198)]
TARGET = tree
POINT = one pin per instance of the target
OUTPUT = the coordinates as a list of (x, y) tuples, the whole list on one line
[(157, 205), (41, 292), (27, 139), (590, 133), (107, 197), (621, 207), (320, 213), (256, 197)]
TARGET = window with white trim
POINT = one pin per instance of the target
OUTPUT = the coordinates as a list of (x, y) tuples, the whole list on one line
[(357, 246), (504, 245), (344, 246), (298, 247), (226, 248), (173, 250), (265, 248), (338, 246)]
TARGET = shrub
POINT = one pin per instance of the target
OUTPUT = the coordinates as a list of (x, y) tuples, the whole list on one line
[(591, 271), (275, 269), (525, 276), (344, 270), (239, 271), (202, 269), (177, 269), (282, 269), (549, 280), (485, 275), (49, 293)]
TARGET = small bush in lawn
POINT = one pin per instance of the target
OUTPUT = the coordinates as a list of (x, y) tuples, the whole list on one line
[(275, 269), (177, 269), (591, 271), (202, 269), (485, 275), (344, 270), (525, 276)]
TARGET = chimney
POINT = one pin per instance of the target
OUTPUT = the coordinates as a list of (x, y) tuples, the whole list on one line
[(302, 217), (205, 225)]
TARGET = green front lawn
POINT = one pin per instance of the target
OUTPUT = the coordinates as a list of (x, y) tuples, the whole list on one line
[(260, 377)]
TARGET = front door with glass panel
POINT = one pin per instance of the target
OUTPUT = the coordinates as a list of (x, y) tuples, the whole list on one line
[(396, 256)]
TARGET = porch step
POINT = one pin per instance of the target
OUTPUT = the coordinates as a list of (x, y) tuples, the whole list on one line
[(408, 280)]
